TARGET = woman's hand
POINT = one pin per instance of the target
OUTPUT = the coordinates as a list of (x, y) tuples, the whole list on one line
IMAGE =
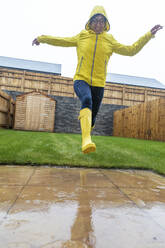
[(155, 29), (35, 42)]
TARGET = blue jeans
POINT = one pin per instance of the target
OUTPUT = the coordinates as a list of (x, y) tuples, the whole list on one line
[(89, 96)]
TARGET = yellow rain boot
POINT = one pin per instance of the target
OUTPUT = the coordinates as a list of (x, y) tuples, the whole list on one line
[(85, 121)]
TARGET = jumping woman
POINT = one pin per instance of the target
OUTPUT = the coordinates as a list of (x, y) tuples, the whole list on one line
[(94, 47)]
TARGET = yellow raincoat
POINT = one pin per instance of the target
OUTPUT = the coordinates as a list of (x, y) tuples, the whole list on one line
[(94, 50)]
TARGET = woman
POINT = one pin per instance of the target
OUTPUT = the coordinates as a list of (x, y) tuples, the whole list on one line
[(94, 48)]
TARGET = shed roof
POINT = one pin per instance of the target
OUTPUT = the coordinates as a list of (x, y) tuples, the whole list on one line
[(37, 93), (30, 65), (132, 80)]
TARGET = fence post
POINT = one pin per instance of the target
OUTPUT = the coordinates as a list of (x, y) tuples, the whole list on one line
[(145, 95), (23, 81), (49, 85), (123, 97), (8, 124)]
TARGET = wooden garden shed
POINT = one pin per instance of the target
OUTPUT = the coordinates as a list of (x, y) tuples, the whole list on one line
[(35, 111)]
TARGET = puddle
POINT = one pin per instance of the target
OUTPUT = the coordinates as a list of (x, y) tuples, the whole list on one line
[(65, 208)]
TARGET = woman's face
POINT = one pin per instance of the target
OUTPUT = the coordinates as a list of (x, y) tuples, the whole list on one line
[(97, 24)]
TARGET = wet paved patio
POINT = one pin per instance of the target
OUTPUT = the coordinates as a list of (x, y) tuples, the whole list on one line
[(48, 207)]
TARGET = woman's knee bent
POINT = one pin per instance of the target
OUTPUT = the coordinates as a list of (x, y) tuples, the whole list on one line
[(86, 102)]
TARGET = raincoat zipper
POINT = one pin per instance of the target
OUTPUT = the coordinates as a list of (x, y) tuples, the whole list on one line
[(94, 57), (80, 64)]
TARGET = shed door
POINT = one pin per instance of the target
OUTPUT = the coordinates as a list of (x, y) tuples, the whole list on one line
[(32, 112), (38, 113)]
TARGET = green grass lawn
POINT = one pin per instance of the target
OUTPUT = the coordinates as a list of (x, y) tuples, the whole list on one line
[(41, 148)]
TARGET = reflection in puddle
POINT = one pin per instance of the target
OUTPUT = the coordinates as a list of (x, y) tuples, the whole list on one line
[(82, 208)]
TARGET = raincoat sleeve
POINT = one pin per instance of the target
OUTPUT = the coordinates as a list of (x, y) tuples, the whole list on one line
[(132, 49), (59, 41)]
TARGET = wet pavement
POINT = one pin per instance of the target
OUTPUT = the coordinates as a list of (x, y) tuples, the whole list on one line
[(48, 207)]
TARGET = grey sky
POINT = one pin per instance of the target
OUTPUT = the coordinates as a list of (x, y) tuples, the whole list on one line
[(23, 20)]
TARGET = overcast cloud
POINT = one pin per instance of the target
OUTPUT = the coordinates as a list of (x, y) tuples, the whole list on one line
[(23, 20)]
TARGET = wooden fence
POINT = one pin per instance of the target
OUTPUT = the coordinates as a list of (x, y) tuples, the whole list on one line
[(143, 121), (7, 107), (130, 95), (27, 81)]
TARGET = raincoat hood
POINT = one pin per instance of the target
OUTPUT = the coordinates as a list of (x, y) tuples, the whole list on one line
[(98, 10)]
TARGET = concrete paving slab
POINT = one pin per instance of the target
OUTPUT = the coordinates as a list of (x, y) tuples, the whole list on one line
[(15, 175), (62, 207), (147, 195), (8, 195), (135, 179), (74, 176)]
